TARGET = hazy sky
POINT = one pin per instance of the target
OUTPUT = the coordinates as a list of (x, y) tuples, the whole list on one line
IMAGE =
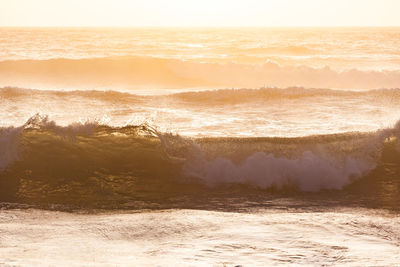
[(199, 13)]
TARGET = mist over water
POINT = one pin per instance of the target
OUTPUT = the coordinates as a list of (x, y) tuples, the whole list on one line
[(338, 48), (126, 59)]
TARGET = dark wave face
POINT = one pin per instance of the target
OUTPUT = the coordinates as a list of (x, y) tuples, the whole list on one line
[(91, 165)]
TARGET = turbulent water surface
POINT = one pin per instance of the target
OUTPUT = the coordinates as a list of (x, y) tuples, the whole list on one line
[(266, 146)]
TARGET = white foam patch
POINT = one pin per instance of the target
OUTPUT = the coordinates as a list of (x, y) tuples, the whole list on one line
[(309, 172)]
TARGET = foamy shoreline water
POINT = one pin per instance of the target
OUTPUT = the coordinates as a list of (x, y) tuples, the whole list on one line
[(256, 238)]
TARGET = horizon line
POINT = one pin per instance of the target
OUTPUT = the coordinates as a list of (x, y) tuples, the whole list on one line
[(210, 27)]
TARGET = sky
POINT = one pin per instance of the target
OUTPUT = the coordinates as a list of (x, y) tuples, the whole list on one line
[(199, 13)]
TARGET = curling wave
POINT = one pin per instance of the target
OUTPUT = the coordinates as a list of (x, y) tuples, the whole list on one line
[(90, 163)]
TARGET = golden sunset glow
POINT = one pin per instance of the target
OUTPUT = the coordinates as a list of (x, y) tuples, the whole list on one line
[(208, 13), (199, 133)]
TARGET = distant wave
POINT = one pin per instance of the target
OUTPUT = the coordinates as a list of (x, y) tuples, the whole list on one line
[(271, 94), (220, 96), (41, 161), (109, 95), (287, 50), (149, 72)]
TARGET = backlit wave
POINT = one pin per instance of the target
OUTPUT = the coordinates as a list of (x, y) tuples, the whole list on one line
[(90, 163)]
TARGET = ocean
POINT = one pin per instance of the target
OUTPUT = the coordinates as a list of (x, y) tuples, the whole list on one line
[(199, 146)]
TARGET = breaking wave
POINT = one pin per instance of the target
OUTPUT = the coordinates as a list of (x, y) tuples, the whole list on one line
[(149, 72), (87, 163)]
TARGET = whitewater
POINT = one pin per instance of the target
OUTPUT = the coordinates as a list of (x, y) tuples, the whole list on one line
[(265, 146)]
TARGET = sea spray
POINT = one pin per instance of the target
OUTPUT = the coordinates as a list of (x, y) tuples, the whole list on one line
[(310, 172), (9, 150)]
